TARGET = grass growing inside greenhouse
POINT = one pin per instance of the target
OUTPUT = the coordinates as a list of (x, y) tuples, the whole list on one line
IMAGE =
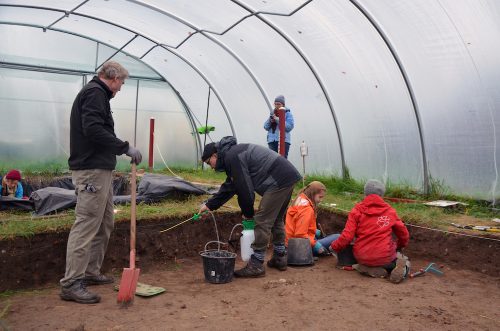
[(342, 195)]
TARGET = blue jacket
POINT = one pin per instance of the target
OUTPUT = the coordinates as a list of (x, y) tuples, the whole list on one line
[(19, 189), (271, 137)]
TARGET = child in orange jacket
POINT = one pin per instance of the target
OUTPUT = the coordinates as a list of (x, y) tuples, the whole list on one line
[(301, 218), (379, 234)]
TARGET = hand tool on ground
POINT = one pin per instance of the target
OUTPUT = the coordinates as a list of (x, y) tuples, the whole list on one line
[(432, 267), (128, 283), (194, 218), (477, 227)]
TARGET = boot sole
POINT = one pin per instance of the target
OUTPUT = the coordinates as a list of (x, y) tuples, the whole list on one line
[(70, 298), (93, 282), (256, 276), (371, 271), (278, 268), (397, 274), (250, 276)]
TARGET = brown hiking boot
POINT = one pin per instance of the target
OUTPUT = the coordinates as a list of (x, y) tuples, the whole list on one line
[(254, 268), (400, 271), (78, 292), (278, 261), (375, 272)]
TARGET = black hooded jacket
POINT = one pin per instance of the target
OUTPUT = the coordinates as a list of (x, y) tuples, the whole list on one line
[(93, 143), (250, 168)]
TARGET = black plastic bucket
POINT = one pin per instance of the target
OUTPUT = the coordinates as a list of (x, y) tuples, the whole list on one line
[(345, 257), (218, 266)]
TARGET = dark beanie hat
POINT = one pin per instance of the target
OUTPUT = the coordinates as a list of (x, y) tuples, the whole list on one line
[(208, 151), (374, 186), (280, 99), (14, 175)]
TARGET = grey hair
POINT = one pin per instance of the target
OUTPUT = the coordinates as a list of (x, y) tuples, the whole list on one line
[(112, 70)]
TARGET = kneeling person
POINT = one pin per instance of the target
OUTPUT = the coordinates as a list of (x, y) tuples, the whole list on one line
[(301, 218), (252, 168), (373, 222)]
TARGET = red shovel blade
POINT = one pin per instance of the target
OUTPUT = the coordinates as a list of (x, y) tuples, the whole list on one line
[(128, 285)]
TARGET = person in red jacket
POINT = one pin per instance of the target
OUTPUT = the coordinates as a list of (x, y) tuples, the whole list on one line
[(378, 234), (301, 218)]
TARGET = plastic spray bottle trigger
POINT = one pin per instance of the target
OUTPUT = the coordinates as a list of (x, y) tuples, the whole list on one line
[(247, 238)]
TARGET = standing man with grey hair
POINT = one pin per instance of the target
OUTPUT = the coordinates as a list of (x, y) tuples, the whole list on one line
[(271, 125), (93, 150)]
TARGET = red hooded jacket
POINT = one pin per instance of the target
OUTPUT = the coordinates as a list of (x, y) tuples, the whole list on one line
[(373, 222)]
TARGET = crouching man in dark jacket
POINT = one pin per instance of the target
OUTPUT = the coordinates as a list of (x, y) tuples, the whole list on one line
[(252, 168)]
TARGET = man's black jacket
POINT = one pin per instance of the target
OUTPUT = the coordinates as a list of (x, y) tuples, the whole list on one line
[(93, 143), (250, 168)]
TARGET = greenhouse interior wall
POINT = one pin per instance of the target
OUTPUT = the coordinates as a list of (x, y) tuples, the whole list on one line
[(405, 91)]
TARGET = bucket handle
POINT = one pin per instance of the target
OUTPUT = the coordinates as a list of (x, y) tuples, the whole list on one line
[(213, 242)]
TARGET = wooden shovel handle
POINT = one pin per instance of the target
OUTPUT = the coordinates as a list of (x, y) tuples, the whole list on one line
[(133, 189)]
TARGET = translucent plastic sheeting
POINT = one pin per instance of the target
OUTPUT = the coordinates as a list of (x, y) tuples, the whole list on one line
[(193, 89), (31, 46), (238, 92), (274, 6), (172, 129), (450, 51), (27, 16), (173, 133), (95, 29), (134, 67), (139, 47), (54, 49), (376, 117), (34, 108), (140, 19), (282, 71), (212, 15), (59, 4)]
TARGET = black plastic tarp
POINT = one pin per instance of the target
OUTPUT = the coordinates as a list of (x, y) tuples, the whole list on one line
[(8, 203), (50, 199), (154, 188)]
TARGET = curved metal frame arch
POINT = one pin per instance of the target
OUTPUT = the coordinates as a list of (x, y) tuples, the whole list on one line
[(183, 102), (310, 66), (406, 79), (67, 13)]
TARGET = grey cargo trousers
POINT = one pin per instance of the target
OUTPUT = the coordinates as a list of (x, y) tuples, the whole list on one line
[(89, 236)]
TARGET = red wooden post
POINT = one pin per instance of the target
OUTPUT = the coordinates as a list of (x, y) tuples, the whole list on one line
[(151, 142), (281, 116)]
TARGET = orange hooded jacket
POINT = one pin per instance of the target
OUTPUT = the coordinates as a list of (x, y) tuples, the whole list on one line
[(301, 220)]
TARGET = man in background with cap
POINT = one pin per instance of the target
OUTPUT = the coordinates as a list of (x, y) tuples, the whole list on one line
[(93, 150), (252, 168), (373, 222), (271, 125), (11, 185)]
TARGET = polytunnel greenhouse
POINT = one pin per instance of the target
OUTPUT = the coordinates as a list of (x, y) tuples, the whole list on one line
[(405, 91)]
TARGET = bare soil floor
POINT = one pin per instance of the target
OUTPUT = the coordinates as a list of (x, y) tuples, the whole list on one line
[(308, 298), (467, 297)]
